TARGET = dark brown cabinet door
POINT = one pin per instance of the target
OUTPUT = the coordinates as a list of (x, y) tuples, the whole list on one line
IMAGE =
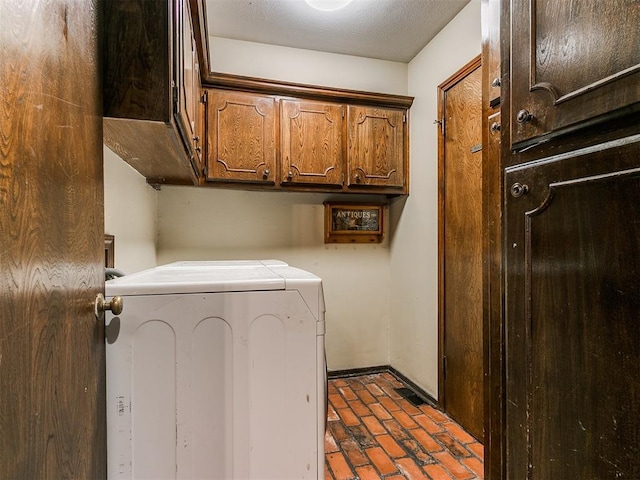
[(187, 80), (376, 147), (572, 64), (241, 137), (573, 305), (311, 142)]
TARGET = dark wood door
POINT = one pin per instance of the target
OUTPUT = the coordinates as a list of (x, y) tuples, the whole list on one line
[(572, 63), (52, 379), (241, 136), (573, 305), (311, 142), (460, 239)]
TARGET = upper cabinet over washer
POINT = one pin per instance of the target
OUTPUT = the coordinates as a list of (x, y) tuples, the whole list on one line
[(376, 147), (311, 142), (151, 88), (240, 137)]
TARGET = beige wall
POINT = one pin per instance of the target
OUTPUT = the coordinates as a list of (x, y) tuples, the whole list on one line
[(414, 246), (307, 66), (381, 299), (227, 224), (130, 208)]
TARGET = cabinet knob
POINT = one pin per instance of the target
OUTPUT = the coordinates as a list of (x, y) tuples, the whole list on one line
[(290, 175), (524, 116), (266, 172), (196, 138), (519, 189), (495, 127), (357, 177), (496, 82)]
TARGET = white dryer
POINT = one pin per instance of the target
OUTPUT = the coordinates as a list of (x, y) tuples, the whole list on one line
[(215, 370)]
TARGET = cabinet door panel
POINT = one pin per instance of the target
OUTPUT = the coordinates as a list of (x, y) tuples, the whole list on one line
[(573, 297), (376, 147), (311, 142), (564, 78), (241, 137), (187, 79)]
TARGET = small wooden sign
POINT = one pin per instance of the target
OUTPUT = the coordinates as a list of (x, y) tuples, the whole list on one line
[(353, 222)]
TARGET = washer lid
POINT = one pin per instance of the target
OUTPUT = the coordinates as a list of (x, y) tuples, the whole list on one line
[(201, 277)]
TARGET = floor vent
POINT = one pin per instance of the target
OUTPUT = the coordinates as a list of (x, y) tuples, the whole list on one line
[(410, 396)]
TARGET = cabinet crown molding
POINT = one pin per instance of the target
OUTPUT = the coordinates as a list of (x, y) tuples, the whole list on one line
[(299, 90)]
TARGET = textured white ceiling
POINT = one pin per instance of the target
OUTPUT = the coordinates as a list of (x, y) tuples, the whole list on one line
[(385, 29)]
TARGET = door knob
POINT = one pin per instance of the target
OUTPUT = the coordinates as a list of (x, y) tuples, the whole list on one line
[(116, 305)]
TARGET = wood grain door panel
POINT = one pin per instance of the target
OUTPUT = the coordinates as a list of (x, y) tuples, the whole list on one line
[(375, 147), (187, 75), (550, 55), (311, 142), (52, 363), (241, 137), (573, 297), (460, 238)]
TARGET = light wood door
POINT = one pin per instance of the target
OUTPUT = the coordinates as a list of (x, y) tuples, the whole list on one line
[(52, 365), (376, 148), (311, 142), (460, 238), (241, 137)]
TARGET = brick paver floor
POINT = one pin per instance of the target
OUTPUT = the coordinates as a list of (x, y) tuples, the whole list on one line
[(374, 433)]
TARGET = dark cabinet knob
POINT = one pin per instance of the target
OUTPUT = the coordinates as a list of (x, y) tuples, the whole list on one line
[(495, 127), (519, 189), (524, 116)]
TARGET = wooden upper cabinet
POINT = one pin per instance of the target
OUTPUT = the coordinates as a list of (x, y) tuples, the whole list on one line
[(311, 142), (188, 86), (561, 79), (376, 147), (147, 99), (241, 137)]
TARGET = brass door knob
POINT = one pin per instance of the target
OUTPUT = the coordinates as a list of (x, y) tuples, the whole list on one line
[(116, 305)]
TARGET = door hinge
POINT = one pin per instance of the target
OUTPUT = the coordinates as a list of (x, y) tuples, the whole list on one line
[(444, 366), (205, 171), (404, 118), (205, 97), (440, 123)]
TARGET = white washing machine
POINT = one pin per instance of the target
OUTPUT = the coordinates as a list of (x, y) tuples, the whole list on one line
[(215, 370)]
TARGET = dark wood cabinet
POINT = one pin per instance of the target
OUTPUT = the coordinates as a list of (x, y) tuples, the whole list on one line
[(376, 147), (150, 84), (572, 63), (241, 136), (573, 304), (187, 110), (311, 143), (562, 266)]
